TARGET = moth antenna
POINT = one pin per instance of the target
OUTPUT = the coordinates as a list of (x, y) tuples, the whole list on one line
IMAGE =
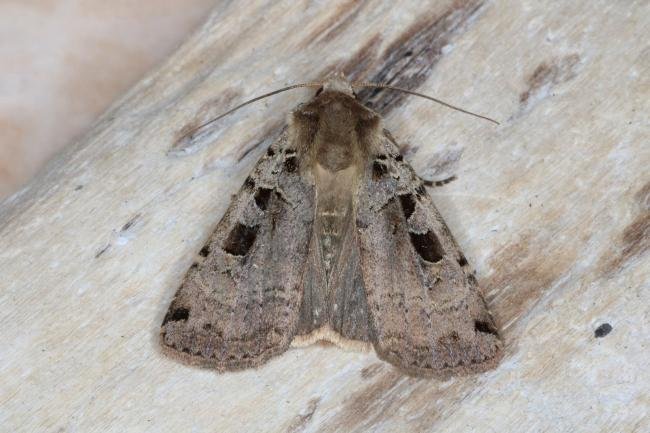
[(250, 101), (421, 95)]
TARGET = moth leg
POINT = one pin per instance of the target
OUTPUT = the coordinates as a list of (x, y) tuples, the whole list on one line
[(439, 183)]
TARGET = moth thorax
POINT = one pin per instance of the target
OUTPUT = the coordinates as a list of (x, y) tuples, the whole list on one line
[(336, 142)]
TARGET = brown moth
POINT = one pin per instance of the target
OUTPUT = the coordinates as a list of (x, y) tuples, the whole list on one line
[(333, 237)]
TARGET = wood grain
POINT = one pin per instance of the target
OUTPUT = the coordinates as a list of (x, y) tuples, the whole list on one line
[(551, 208)]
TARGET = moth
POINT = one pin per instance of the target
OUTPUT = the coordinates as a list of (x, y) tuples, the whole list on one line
[(333, 237)]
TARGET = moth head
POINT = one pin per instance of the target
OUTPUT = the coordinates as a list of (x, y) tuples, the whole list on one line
[(337, 82)]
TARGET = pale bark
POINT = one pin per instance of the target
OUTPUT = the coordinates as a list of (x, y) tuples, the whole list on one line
[(551, 208)]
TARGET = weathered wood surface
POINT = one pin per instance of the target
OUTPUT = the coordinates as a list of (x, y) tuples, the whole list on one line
[(552, 208)]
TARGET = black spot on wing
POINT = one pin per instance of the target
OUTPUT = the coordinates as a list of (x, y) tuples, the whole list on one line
[(177, 315), (379, 169), (240, 240), (291, 164), (408, 204), (249, 183), (484, 327), (205, 250), (262, 197), (427, 246)]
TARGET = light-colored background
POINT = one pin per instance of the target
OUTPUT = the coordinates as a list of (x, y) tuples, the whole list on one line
[(62, 62), (552, 208)]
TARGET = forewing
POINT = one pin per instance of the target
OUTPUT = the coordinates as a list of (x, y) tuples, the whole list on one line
[(426, 309), (240, 304)]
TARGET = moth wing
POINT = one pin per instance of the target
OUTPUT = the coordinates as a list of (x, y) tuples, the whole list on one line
[(239, 306), (425, 307)]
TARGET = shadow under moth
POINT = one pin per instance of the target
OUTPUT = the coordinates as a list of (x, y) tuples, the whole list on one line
[(333, 237)]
